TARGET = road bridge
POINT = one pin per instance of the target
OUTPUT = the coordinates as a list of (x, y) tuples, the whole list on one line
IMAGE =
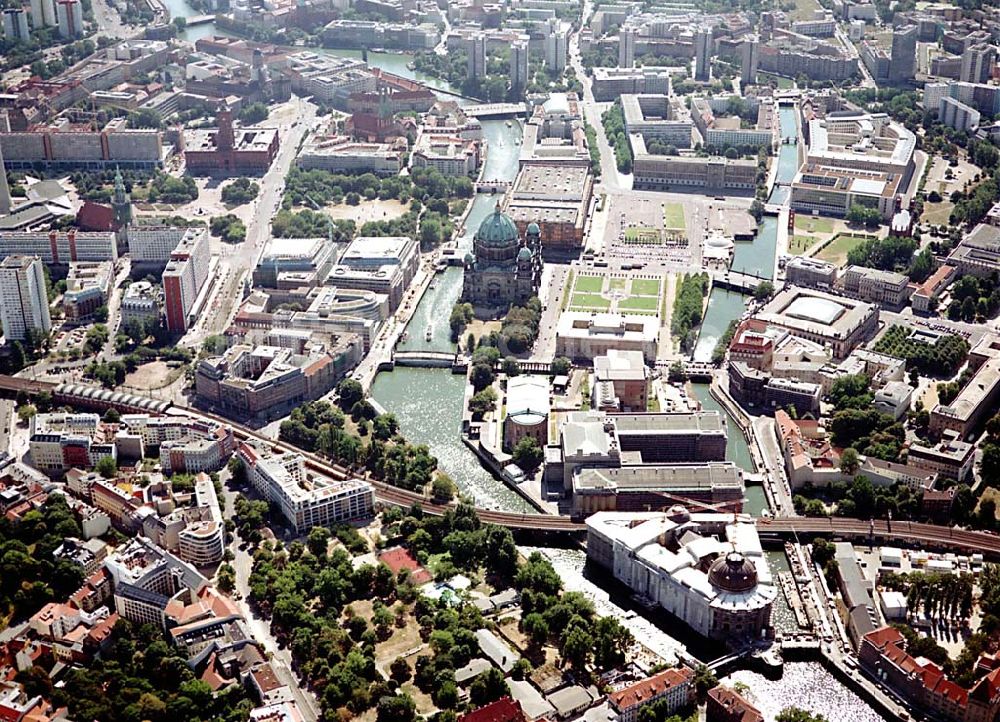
[(495, 186), (495, 110), (735, 281), (428, 359)]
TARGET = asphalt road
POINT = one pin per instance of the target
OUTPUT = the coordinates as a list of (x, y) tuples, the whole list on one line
[(233, 267), (280, 658)]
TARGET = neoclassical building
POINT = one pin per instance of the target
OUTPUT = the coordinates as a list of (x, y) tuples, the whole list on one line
[(503, 269)]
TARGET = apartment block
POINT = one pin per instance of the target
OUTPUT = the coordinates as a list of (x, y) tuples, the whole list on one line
[(304, 501), (24, 303)]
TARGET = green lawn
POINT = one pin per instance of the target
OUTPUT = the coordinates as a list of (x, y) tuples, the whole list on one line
[(782, 82), (804, 10), (589, 284), (814, 224), (642, 303), (617, 284), (836, 250), (645, 287), (801, 244), (590, 301), (673, 216), (642, 234)]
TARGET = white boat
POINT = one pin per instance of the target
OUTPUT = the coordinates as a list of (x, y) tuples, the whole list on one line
[(510, 124), (430, 334)]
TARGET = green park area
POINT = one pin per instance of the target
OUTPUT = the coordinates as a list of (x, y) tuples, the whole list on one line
[(639, 303), (673, 216), (642, 235), (813, 224), (589, 302), (589, 284), (837, 249), (622, 295), (645, 287)]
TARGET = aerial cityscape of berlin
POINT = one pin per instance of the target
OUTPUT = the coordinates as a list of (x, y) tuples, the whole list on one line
[(499, 361)]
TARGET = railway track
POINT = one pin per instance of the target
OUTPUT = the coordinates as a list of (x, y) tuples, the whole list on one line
[(929, 534)]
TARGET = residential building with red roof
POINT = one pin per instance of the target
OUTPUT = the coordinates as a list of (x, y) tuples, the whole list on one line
[(882, 653), (676, 686), (727, 705), (504, 709), (928, 291)]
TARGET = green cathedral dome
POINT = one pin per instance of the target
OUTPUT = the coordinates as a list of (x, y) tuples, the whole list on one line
[(497, 229)]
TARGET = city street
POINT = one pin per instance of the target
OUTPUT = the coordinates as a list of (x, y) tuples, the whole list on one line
[(281, 659), (293, 123), (611, 179)]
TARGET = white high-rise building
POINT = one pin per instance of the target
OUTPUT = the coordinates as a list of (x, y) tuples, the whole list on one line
[(626, 48), (69, 15), (702, 53), (15, 24), (477, 56), (519, 66), (5, 202), (43, 13), (977, 63), (748, 66), (24, 304), (556, 46)]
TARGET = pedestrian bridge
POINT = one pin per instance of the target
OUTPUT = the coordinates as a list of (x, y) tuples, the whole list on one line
[(495, 110)]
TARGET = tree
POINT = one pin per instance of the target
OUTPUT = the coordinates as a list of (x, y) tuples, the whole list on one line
[(560, 366), (442, 489), (226, 578), (106, 467), (849, 461), (483, 402), (317, 541), (26, 412), (487, 687), (396, 708), (797, 714), (350, 393), (510, 366), (535, 626), (481, 376), (430, 232), (577, 647), (253, 113), (704, 680), (385, 426), (240, 191), (399, 670), (851, 392), (527, 454), (764, 290)]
